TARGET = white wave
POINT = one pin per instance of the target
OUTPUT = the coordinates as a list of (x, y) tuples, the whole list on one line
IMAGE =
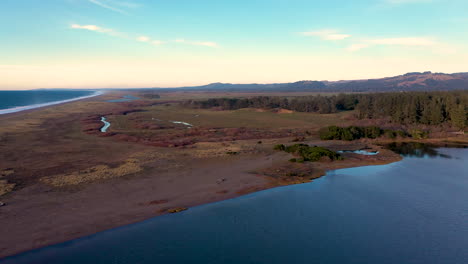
[(28, 107)]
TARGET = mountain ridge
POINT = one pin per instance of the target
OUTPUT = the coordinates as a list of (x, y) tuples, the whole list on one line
[(412, 81)]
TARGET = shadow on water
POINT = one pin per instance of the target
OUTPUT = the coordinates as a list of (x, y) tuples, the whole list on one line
[(416, 149)]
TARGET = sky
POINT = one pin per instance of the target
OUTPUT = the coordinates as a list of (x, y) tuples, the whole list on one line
[(172, 43)]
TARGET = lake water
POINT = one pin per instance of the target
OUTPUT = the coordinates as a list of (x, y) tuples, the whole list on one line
[(15, 101), (413, 211)]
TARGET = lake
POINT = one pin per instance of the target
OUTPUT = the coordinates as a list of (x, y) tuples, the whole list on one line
[(412, 211)]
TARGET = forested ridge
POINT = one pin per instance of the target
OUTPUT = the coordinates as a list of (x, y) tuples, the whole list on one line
[(429, 108)]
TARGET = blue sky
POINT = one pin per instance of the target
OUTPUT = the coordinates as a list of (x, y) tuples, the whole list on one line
[(143, 43)]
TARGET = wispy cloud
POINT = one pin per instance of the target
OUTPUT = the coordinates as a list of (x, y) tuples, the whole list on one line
[(406, 41), (422, 42), (400, 2), (95, 28), (326, 34), (111, 5), (142, 38), (198, 43)]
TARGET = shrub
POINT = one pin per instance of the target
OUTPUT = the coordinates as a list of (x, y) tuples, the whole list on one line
[(280, 147), (307, 153)]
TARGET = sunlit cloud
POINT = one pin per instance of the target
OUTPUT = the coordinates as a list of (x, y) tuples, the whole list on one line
[(95, 28), (143, 39), (326, 34), (205, 43)]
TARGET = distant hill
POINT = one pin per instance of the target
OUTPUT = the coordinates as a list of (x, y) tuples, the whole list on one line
[(414, 81)]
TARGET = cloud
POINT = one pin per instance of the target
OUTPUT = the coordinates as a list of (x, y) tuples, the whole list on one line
[(406, 42), (108, 6), (157, 42), (326, 34), (95, 28), (400, 2), (410, 41), (206, 44), (356, 47), (197, 43), (141, 38), (423, 42)]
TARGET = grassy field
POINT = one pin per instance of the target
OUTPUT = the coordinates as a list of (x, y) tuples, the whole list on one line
[(250, 118)]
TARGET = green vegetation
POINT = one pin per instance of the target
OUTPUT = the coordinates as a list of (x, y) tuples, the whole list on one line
[(428, 108), (307, 153), (354, 132), (316, 104)]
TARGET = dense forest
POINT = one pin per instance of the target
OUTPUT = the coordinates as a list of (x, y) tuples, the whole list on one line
[(316, 104), (429, 108)]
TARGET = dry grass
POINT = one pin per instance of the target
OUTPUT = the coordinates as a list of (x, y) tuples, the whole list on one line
[(95, 173), (6, 187)]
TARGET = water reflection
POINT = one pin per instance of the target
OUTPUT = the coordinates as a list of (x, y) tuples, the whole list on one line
[(416, 150)]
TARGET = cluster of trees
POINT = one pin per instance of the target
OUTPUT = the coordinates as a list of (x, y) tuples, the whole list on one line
[(317, 104), (307, 153), (429, 108), (355, 132)]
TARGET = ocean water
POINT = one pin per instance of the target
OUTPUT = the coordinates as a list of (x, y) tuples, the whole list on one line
[(413, 211), (14, 101)]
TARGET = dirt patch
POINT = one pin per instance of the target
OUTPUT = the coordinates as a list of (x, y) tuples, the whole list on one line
[(284, 111), (5, 186)]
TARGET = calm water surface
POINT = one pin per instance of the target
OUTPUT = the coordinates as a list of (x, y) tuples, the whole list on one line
[(413, 211), (12, 99)]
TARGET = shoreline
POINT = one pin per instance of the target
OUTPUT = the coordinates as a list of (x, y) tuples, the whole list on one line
[(131, 215), (121, 182), (43, 105), (133, 208)]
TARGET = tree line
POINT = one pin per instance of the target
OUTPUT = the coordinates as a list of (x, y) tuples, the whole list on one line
[(317, 104), (430, 108)]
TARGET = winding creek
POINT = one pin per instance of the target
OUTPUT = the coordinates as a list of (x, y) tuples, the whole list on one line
[(413, 211), (106, 125)]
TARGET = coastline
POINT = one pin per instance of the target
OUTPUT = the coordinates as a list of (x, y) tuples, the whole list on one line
[(36, 106), (101, 206), (166, 178)]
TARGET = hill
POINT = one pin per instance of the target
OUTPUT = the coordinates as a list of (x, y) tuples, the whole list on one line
[(414, 81)]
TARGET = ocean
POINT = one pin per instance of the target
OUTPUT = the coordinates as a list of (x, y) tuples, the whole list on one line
[(15, 101)]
